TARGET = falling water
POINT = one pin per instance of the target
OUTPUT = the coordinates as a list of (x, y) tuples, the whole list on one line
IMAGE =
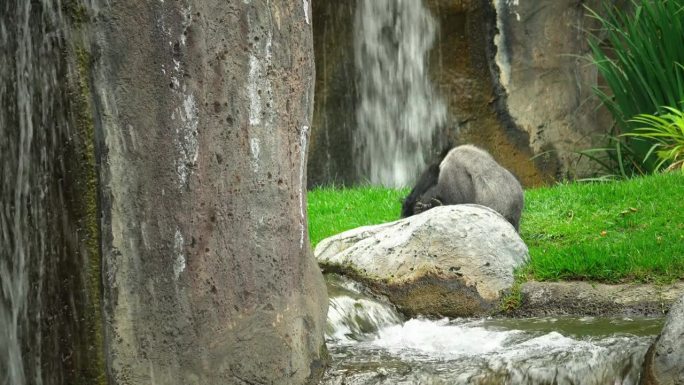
[(40, 259), (352, 314), (399, 113), (371, 344), (29, 68)]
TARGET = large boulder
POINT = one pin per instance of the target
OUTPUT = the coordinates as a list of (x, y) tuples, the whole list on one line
[(664, 363), (448, 261)]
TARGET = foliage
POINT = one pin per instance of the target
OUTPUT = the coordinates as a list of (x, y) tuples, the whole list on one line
[(666, 132), (617, 160), (608, 232), (513, 299), (638, 53)]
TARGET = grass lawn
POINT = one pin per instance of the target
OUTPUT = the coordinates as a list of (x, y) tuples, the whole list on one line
[(334, 210), (605, 232)]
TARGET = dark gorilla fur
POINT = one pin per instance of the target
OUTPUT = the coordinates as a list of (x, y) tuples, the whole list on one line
[(466, 174)]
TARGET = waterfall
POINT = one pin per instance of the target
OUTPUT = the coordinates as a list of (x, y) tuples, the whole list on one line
[(399, 113), (354, 316), (372, 344), (28, 73), (43, 264)]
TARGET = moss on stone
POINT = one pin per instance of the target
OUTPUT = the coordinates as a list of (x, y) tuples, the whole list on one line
[(318, 365), (85, 167), (431, 293), (512, 300), (75, 11), (434, 296)]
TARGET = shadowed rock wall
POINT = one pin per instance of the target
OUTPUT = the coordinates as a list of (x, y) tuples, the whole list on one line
[(331, 155), (463, 71), (515, 76), (544, 69), (205, 109)]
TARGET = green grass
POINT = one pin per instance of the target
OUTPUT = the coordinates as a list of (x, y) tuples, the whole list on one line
[(630, 230), (334, 210)]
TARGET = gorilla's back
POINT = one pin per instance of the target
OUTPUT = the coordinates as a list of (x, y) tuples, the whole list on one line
[(469, 174)]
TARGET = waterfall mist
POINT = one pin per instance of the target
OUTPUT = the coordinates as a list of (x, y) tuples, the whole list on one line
[(399, 113)]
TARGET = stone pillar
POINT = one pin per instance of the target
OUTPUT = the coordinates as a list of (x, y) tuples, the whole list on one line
[(204, 110)]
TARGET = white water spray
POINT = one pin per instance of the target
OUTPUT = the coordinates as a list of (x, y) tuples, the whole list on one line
[(30, 125), (373, 345), (399, 113)]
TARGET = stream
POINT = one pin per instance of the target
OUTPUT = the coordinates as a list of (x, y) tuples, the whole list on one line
[(371, 343)]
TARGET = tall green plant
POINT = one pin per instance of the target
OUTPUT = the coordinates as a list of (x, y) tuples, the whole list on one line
[(637, 53), (666, 132)]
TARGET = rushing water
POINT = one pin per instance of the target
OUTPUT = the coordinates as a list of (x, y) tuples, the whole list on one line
[(29, 70), (399, 113), (371, 344), (41, 261)]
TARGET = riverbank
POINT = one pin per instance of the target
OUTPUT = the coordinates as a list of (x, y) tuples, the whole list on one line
[(558, 299)]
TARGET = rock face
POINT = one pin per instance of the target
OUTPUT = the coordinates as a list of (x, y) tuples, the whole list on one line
[(540, 299), (448, 261), (546, 75), (331, 153), (203, 113), (515, 77), (664, 363)]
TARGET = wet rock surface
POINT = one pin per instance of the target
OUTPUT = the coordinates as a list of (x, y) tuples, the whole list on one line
[(593, 299), (664, 363), (448, 261)]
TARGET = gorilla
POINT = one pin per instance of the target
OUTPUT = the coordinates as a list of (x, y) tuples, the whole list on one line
[(466, 174)]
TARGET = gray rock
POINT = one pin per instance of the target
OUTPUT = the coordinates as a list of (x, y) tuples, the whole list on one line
[(545, 70), (595, 299), (449, 261), (204, 110), (664, 363)]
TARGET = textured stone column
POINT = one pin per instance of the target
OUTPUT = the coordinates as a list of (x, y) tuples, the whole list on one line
[(204, 112)]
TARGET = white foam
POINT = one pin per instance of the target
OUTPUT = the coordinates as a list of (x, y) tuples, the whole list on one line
[(399, 109), (350, 319), (439, 338)]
